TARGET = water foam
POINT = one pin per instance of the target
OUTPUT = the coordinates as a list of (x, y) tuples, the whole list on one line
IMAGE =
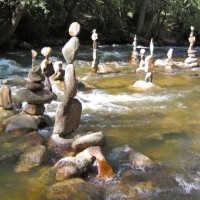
[(188, 186)]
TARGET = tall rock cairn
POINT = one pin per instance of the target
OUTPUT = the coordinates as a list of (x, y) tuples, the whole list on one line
[(133, 59), (149, 63), (35, 95), (95, 61), (191, 60), (68, 114)]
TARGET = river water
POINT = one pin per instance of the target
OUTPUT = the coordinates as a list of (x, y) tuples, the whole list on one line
[(162, 123)]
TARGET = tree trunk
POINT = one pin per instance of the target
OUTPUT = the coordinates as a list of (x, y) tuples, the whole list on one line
[(142, 14), (12, 24)]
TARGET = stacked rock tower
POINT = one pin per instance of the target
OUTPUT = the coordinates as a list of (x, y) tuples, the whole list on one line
[(35, 95)]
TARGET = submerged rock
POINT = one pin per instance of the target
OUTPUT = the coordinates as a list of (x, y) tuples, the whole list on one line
[(73, 189), (143, 85), (31, 158)]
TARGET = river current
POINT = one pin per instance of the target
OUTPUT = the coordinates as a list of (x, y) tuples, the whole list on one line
[(163, 123)]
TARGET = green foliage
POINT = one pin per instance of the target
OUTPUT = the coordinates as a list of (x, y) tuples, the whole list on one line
[(112, 18)]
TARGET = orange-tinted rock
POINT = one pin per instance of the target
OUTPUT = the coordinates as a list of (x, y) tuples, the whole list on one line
[(34, 109)]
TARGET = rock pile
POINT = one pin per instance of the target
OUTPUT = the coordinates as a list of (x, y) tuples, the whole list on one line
[(69, 111), (191, 60), (35, 95)]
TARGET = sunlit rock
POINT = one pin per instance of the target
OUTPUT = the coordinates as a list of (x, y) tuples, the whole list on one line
[(74, 29), (70, 81), (143, 85), (5, 97), (70, 50), (139, 161), (88, 140), (106, 68), (35, 63), (69, 167), (133, 59), (191, 60), (95, 61), (142, 61), (169, 62)]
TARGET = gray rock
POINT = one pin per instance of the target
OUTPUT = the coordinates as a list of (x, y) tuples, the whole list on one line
[(34, 86), (69, 167), (70, 49), (92, 139), (139, 161), (21, 125), (70, 81), (36, 97), (35, 77)]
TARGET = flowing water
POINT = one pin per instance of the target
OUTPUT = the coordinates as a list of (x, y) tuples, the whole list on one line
[(163, 123)]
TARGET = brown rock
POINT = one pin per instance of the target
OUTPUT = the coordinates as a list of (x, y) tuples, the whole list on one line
[(142, 162), (33, 109), (36, 97), (5, 95), (34, 86), (67, 117), (21, 125), (70, 81), (35, 77)]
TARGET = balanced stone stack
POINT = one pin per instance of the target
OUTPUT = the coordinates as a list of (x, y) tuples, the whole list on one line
[(35, 95), (47, 67), (68, 114), (133, 59), (95, 61), (191, 60)]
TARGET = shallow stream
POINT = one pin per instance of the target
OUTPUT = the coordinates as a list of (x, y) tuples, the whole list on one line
[(163, 123)]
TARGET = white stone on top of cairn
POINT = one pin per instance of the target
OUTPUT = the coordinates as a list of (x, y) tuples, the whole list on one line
[(74, 29), (46, 51)]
